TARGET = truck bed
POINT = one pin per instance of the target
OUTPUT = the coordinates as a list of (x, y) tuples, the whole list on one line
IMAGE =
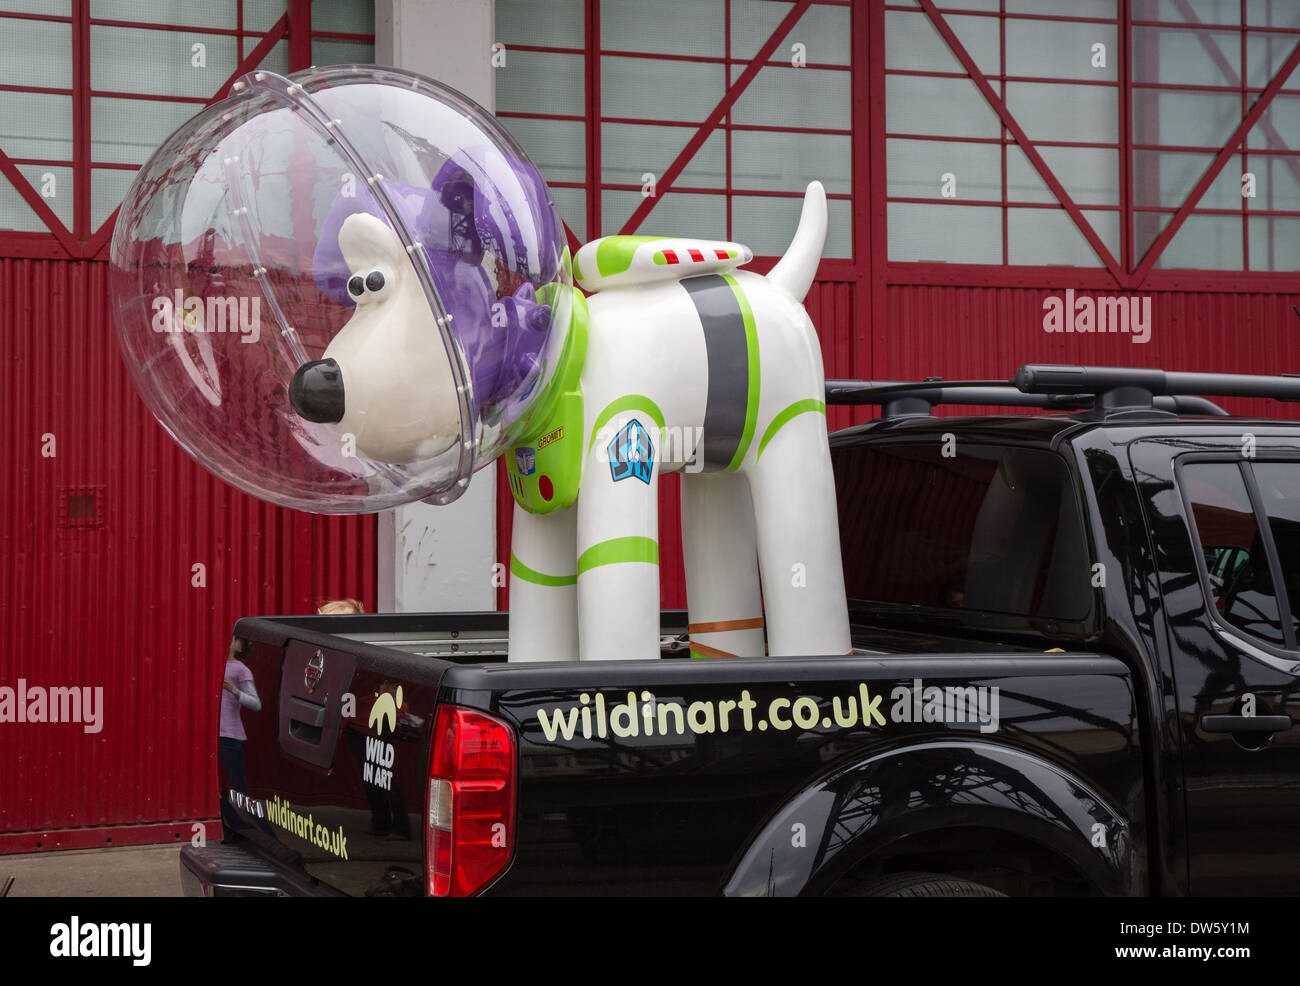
[(653, 777)]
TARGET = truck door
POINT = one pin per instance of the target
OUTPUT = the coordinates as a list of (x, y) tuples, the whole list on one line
[(1224, 516)]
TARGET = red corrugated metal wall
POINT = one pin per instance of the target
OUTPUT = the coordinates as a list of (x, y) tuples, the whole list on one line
[(972, 332), (110, 603)]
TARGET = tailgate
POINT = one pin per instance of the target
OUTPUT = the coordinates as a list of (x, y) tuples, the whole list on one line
[(330, 779)]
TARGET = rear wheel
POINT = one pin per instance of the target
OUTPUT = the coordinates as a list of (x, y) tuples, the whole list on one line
[(924, 885)]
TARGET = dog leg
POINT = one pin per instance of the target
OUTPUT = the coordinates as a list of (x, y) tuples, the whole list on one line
[(798, 538), (721, 553), (618, 543), (543, 586)]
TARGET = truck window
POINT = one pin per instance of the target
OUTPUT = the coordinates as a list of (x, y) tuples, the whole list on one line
[(987, 528), (1279, 492), (1236, 559)]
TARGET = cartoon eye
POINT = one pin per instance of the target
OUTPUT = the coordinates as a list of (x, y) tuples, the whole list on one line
[(356, 286), (375, 280)]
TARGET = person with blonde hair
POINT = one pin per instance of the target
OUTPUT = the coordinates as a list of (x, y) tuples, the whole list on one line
[(341, 607)]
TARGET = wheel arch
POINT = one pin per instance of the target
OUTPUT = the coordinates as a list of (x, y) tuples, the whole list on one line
[(860, 808)]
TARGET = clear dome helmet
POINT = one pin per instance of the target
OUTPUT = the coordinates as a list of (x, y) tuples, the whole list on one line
[(343, 290)]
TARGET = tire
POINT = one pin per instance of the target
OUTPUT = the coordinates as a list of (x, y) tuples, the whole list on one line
[(924, 885)]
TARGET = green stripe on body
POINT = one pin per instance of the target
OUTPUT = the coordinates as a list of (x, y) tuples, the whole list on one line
[(521, 571), (632, 402), (784, 418), (618, 550), (751, 350)]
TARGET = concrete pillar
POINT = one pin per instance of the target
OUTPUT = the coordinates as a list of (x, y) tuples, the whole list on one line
[(439, 559)]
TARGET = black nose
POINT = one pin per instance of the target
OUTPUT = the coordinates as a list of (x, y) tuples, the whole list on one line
[(316, 391)]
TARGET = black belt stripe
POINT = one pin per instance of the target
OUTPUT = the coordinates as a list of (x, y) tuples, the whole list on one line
[(728, 371)]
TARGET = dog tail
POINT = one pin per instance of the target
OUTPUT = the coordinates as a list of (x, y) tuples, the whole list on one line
[(794, 272)]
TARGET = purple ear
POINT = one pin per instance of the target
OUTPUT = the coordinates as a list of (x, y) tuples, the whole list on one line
[(480, 201), (512, 212)]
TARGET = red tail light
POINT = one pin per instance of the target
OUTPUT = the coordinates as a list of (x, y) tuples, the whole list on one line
[(470, 827)]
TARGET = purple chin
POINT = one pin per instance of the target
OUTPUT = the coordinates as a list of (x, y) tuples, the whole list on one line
[(500, 328)]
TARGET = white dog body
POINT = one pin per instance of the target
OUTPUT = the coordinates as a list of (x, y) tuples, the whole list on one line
[(723, 371)]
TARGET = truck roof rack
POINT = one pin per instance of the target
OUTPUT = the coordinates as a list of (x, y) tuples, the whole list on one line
[(1097, 391)]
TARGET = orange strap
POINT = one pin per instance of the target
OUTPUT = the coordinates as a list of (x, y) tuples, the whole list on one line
[(721, 625)]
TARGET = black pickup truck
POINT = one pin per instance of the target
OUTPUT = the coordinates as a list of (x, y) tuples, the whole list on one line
[(1075, 671)]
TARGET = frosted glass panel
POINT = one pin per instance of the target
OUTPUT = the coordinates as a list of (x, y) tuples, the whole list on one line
[(801, 97), (1273, 13), (913, 42), (1183, 57), (1090, 175), (676, 214), (261, 15), (56, 194), (1061, 50), (1206, 11), (916, 169), (1187, 119), (344, 16), (824, 31), (766, 225), (943, 107), (654, 89), (107, 189), (970, 234), (1070, 8), (276, 60), (128, 131), (325, 52), (1274, 243), (558, 23), (1050, 238), (36, 125), (36, 53), (209, 13), (161, 63), (788, 162), (1107, 225), (15, 213), (673, 27), (1147, 226), (557, 147), (572, 203), (1277, 183), (537, 82), (630, 151), (1265, 54), (1205, 243), (1283, 117), (1065, 112), (55, 8), (1174, 176)]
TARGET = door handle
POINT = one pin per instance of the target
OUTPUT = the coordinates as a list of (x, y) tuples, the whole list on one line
[(307, 713), (1245, 724)]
